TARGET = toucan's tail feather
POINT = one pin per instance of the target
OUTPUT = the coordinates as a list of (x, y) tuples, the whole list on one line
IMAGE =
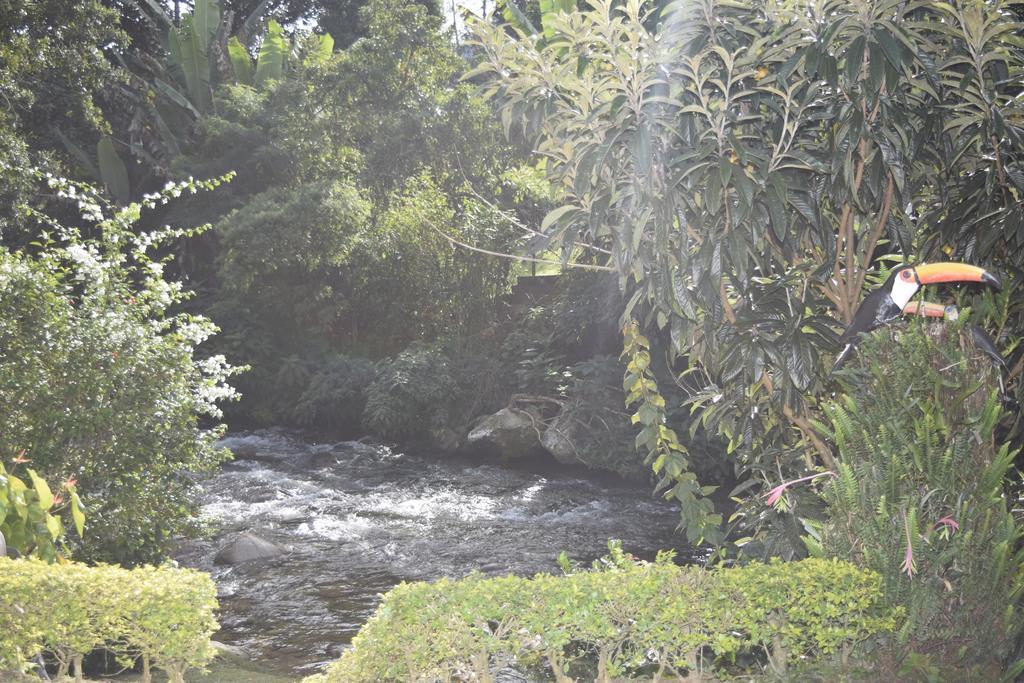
[(843, 356)]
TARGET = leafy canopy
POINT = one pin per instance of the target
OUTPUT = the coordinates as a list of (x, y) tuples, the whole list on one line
[(747, 164)]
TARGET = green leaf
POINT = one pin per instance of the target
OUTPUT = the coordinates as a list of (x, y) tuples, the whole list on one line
[(205, 20), (113, 171), (855, 59), (321, 50), (891, 49), (513, 15), (79, 153), (549, 9), (157, 10), (78, 514), (248, 30), (194, 63), (175, 96), (42, 489), (241, 62), (554, 216), (53, 526), (273, 52)]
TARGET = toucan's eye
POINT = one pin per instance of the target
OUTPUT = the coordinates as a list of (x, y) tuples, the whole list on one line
[(906, 275)]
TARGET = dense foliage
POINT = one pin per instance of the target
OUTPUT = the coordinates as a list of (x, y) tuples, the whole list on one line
[(745, 164), (161, 615), (52, 72), (100, 380), (920, 493), (354, 170), (629, 620)]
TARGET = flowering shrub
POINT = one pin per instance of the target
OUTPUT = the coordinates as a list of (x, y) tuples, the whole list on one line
[(627, 620), (162, 615), (920, 495), (102, 381)]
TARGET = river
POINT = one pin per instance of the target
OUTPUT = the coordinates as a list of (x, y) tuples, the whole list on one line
[(360, 518)]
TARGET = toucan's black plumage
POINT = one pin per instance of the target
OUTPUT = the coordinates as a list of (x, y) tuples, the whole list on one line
[(878, 308), (984, 343)]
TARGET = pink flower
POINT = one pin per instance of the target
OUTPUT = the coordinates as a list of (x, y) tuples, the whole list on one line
[(20, 457), (948, 522), (776, 493)]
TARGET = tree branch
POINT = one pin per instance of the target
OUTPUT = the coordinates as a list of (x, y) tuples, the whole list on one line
[(807, 429), (876, 234)]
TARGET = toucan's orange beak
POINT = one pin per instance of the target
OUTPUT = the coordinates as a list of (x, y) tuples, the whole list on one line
[(934, 273), (925, 308)]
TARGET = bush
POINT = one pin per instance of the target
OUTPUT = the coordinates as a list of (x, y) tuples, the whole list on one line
[(632, 619), (411, 395), (163, 615), (336, 393), (919, 496), (101, 381)]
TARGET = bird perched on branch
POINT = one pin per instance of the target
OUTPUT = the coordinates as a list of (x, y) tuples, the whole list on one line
[(886, 304)]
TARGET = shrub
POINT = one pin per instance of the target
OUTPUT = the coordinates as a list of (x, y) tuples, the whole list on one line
[(101, 381), (919, 496), (632, 619), (163, 615), (336, 393), (411, 395)]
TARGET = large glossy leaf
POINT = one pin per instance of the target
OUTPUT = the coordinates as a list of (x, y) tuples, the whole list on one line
[(273, 53), (194, 63), (205, 20)]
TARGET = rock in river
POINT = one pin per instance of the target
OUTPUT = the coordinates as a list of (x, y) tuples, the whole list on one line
[(509, 433), (246, 547), (558, 439)]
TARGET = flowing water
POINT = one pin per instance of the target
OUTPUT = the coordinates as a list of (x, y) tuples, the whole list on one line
[(360, 518)]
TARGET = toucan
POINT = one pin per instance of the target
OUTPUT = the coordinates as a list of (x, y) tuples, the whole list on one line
[(886, 303)]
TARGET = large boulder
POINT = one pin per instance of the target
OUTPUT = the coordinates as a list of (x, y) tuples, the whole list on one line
[(558, 439), (247, 547), (509, 433)]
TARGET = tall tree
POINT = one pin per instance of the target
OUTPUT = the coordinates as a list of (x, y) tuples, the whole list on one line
[(748, 165)]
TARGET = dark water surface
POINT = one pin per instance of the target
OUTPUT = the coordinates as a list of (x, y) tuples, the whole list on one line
[(361, 518)]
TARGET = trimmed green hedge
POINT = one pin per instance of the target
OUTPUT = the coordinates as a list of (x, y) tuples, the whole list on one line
[(163, 615), (648, 619)]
